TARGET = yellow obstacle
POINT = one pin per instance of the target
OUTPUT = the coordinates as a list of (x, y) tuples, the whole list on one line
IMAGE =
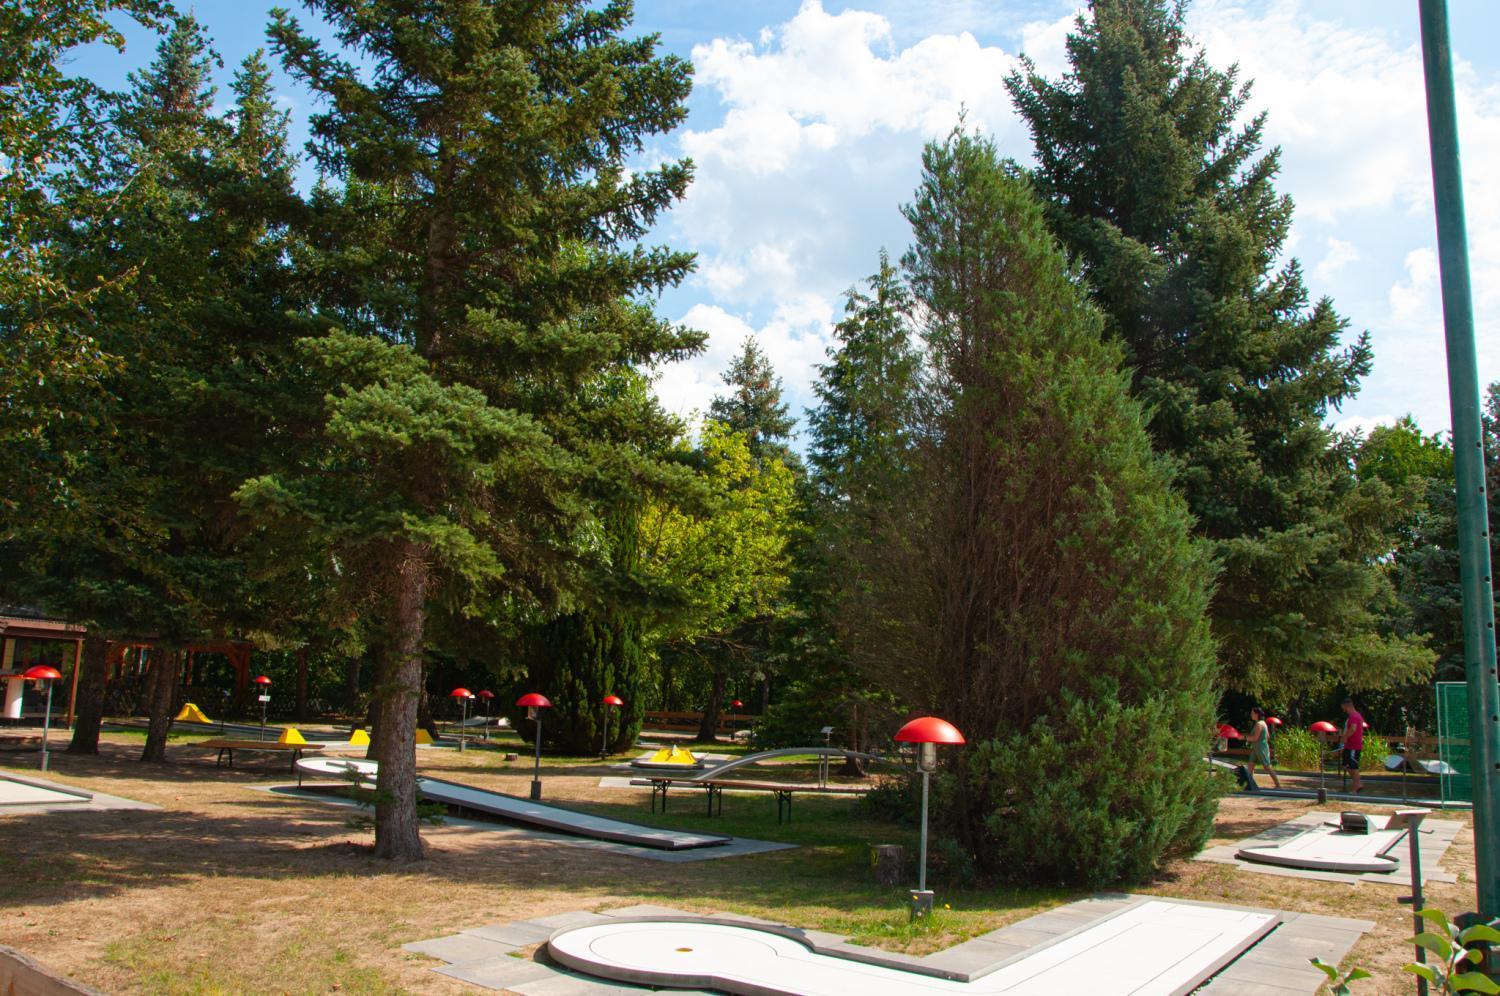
[(192, 714), (673, 755), (291, 735), (423, 737), (359, 738)]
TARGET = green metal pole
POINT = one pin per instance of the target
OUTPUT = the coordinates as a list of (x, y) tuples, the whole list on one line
[(1468, 453)]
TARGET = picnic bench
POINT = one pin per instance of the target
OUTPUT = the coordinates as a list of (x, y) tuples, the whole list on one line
[(714, 790), (226, 748)]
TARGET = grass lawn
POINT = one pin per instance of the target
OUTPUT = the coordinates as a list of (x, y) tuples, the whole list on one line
[(233, 890)]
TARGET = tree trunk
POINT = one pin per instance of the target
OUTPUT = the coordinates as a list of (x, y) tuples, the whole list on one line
[(92, 681), (372, 722), (161, 685), (853, 766), (708, 729), (397, 835), (765, 693), (302, 685), (424, 708), (351, 684)]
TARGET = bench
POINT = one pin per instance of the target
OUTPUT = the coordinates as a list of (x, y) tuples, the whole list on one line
[(226, 748), (714, 789)]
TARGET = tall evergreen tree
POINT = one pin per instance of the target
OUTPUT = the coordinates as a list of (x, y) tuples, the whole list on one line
[(1156, 180), (481, 261), (1039, 585), (753, 405)]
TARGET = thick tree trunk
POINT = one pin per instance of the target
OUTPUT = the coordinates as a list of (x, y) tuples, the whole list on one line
[(92, 680), (708, 729), (161, 685), (397, 835)]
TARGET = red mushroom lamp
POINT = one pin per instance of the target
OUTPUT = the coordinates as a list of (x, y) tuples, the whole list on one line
[(484, 695), (463, 695), (610, 702), (734, 724), (264, 695), (1322, 729), (42, 672), (927, 732), (534, 703)]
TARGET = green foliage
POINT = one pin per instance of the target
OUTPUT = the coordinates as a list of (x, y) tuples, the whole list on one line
[(478, 255), (1456, 950), (1033, 578), (1339, 985), (1297, 749), (754, 407), (1156, 182)]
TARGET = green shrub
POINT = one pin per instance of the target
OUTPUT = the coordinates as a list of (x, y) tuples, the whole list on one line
[(1297, 749), (1372, 758)]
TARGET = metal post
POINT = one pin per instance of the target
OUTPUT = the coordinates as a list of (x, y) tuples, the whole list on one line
[(604, 735), (1413, 836), (536, 771), (922, 860), (46, 725), (1468, 453), (263, 698), (463, 715)]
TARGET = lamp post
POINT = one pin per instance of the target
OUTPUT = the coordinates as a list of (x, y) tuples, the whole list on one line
[(535, 702), (610, 701), (484, 696), (928, 731), (1273, 727), (1322, 729), (265, 697), (463, 695), (48, 674), (734, 717)]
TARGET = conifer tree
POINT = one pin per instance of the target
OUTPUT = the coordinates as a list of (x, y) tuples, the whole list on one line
[(481, 261), (1039, 585), (1156, 181), (753, 405)]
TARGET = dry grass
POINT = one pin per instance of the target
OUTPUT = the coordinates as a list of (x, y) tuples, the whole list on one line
[(233, 890)]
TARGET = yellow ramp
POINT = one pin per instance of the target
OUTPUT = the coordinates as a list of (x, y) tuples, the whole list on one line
[(192, 714), (291, 735), (423, 737), (359, 738)]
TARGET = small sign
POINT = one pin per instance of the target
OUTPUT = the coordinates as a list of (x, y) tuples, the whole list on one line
[(264, 698)]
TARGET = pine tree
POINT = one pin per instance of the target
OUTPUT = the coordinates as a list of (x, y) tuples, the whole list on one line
[(1039, 585), (481, 263), (141, 535), (1156, 181), (754, 407)]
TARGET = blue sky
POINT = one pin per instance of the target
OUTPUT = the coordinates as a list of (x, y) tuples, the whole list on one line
[(807, 120)]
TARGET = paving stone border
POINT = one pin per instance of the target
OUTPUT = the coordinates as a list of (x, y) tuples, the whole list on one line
[(79, 801), (494, 956), (1437, 836)]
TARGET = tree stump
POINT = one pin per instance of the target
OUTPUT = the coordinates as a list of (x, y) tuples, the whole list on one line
[(890, 863)]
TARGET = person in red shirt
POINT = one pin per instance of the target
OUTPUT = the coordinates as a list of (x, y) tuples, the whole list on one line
[(1354, 740)]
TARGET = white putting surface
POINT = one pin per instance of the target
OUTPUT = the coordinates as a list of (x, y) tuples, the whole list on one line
[(525, 811), (520, 810), (14, 793), (1155, 948), (1326, 848)]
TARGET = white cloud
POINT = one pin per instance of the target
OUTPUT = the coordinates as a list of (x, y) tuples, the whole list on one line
[(1338, 255), (799, 183), (1362, 423), (1416, 298)]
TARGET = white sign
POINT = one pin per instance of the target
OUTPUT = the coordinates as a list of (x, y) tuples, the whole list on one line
[(264, 698)]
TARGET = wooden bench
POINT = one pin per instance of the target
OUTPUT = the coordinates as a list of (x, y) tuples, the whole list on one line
[(226, 748), (714, 789)]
